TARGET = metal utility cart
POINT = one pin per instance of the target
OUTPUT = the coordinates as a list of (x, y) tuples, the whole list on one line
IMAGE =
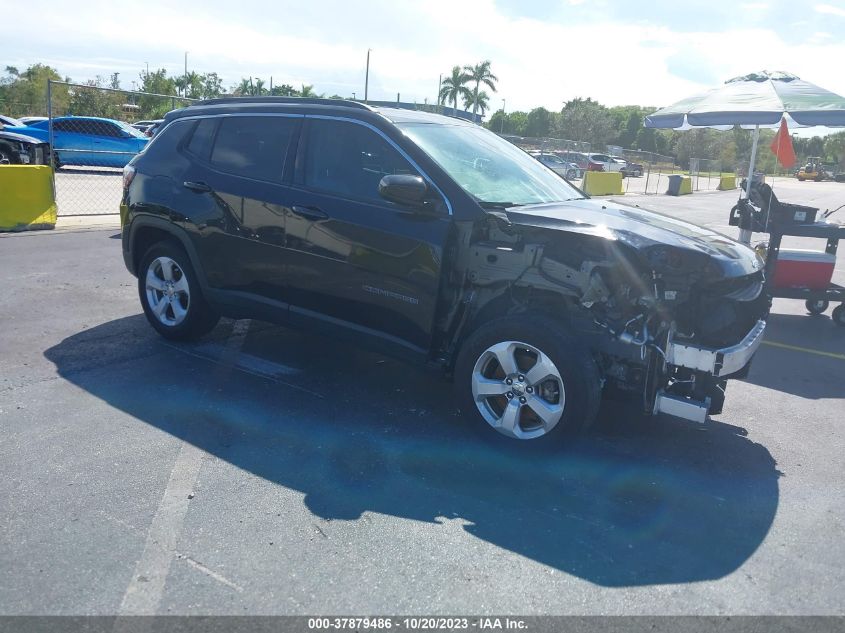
[(763, 212), (816, 300)]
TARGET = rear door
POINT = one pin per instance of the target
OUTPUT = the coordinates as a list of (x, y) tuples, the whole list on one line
[(240, 172), (355, 258)]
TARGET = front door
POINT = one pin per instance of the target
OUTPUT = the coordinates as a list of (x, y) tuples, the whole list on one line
[(353, 256)]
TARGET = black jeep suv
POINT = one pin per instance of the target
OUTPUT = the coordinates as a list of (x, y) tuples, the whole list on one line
[(435, 239)]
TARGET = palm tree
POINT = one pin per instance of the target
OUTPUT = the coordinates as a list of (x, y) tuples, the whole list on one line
[(259, 87), (244, 88), (308, 91), (481, 100), (480, 74), (454, 87)]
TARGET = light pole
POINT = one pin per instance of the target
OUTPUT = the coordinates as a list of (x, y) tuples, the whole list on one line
[(185, 94), (502, 126), (367, 77)]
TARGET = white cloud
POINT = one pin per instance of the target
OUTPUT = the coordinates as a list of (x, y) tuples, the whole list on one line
[(830, 9), (754, 6), (325, 42)]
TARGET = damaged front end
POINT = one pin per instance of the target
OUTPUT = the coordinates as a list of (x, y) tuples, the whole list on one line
[(670, 311)]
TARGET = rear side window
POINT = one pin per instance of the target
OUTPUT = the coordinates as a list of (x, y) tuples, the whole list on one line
[(254, 147), (349, 160), (200, 143)]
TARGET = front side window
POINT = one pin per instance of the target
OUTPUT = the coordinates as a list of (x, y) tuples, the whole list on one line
[(488, 167), (349, 160), (252, 146)]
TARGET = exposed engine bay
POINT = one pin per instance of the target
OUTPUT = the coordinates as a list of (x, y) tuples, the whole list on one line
[(667, 324)]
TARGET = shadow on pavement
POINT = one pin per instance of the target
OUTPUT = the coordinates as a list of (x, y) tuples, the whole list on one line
[(641, 502), (801, 373)]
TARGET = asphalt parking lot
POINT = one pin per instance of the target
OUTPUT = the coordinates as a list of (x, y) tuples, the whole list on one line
[(264, 471)]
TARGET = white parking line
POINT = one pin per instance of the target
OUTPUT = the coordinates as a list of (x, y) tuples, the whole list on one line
[(144, 592), (143, 595)]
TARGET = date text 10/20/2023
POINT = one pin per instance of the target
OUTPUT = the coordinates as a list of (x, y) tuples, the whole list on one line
[(419, 623)]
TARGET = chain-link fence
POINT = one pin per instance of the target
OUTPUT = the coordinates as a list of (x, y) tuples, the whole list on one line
[(705, 173), (94, 132), (646, 172)]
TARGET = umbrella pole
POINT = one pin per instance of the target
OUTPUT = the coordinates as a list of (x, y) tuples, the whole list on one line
[(745, 234)]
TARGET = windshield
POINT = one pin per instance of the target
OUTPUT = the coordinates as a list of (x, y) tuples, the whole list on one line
[(489, 167)]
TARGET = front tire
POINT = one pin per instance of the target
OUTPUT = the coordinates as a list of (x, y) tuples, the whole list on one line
[(525, 378), (171, 295)]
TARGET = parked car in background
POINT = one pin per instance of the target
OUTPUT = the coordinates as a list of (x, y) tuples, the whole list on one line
[(631, 169), (154, 128), (603, 162), (579, 158), (29, 120), (10, 121), (570, 171), (89, 141), (147, 127), (20, 149)]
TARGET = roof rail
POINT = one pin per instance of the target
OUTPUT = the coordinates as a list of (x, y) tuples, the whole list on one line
[(343, 103)]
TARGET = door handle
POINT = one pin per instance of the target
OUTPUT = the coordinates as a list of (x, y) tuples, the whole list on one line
[(309, 213), (199, 187)]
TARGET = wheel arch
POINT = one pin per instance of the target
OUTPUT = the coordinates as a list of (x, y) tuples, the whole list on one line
[(511, 301), (146, 231)]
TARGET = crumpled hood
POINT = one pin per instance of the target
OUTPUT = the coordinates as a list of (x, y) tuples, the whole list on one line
[(639, 229)]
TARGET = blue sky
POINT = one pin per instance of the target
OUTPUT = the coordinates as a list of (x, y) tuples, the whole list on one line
[(544, 51)]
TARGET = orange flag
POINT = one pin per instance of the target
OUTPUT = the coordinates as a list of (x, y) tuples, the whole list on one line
[(782, 146)]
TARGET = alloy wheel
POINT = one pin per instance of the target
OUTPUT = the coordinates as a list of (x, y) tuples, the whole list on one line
[(518, 390), (168, 293)]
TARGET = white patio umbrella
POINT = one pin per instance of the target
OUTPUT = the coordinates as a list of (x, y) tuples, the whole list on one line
[(761, 98)]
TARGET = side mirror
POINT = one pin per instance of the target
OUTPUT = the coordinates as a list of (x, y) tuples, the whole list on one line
[(403, 189)]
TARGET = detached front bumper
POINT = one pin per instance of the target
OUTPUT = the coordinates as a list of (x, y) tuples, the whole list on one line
[(719, 363)]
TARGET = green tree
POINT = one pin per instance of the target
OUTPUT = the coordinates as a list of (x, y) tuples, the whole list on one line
[(539, 123), (454, 88), (25, 93), (308, 91), (481, 73), (586, 120), (158, 83), (91, 101), (645, 140), (212, 86), (284, 90)]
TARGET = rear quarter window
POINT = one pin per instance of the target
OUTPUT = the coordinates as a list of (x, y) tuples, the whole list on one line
[(203, 136)]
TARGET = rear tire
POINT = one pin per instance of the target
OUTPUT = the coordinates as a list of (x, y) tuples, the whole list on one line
[(525, 378), (171, 295), (816, 306)]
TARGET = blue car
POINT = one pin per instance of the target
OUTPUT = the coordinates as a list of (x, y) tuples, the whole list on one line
[(91, 141)]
